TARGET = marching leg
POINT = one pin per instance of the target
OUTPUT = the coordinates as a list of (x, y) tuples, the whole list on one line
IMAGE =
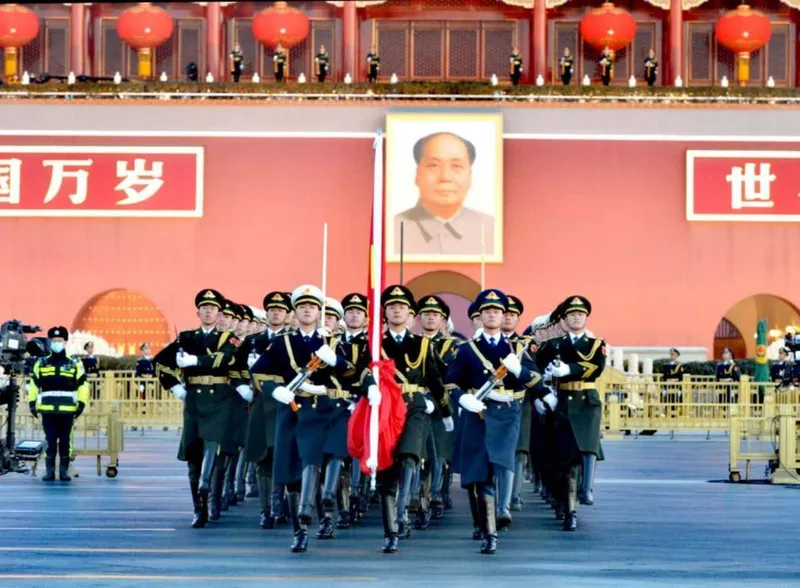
[(424, 512), (300, 542), (229, 489), (439, 473), (505, 486), (387, 486), (263, 480), (332, 474), (199, 501), (571, 518), (404, 491), (486, 508), (447, 482), (343, 498), (589, 462), (280, 512), (355, 491), (218, 479), (210, 449), (308, 493), (251, 485), (477, 533), (520, 463)]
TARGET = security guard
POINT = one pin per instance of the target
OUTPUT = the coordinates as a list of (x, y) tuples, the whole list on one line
[(374, 65), (606, 64), (491, 425), (201, 358), (573, 363), (237, 61), (650, 68), (566, 65), (321, 63), (91, 365), (515, 66), (279, 63), (58, 391)]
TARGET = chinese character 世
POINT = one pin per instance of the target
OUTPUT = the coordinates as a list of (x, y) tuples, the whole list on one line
[(149, 180), (60, 173), (9, 181), (750, 189)]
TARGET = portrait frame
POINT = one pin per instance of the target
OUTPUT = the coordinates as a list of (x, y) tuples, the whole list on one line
[(484, 199)]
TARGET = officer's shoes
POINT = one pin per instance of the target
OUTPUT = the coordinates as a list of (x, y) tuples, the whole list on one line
[(214, 514), (63, 474), (300, 543), (403, 530), (489, 545), (200, 519), (50, 476), (390, 543), (422, 520), (437, 513), (240, 496), (344, 520), (225, 503), (251, 493), (503, 520), (267, 522), (354, 511), (559, 513), (571, 521), (448, 502), (477, 534), (516, 504), (587, 498), (325, 530)]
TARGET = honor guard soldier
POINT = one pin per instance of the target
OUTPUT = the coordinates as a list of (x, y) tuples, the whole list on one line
[(574, 362), (417, 374), (780, 372), (475, 319), (728, 371), (237, 62), (91, 365), (260, 440), (650, 68), (566, 65), (373, 65), (279, 63), (515, 66), (322, 63), (672, 376), (144, 365), (201, 358), (57, 389), (606, 64), (304, 412), (490, 426)]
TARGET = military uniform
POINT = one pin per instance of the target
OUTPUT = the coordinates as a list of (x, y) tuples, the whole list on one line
[(374, 65), (650, 70), (782, 371), (574, 362), (491, 425), (515, 68), (728, 372), (202, 359), (237, 62), (279, 65), (566, 65), (91, 365), (606, 65), (321, 63), (303, 419)]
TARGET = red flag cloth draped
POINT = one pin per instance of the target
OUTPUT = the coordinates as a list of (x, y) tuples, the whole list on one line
[(391, 417)]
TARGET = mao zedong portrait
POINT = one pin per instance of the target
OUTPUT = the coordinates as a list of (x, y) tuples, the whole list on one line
[(440, 224)]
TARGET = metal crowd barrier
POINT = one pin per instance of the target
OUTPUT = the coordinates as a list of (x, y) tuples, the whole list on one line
[(771, 438)]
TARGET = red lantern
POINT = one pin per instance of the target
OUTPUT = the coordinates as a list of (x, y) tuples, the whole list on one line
[(280, 25), (145, 27), (743, 31), (18, 27), (608, 26)]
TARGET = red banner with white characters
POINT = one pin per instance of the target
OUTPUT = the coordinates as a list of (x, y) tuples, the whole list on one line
[(101, 181), (755, 186)]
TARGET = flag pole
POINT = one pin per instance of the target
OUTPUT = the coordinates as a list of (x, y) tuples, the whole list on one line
[(376, 271), (324, 271), (483, 259), (402, 226)]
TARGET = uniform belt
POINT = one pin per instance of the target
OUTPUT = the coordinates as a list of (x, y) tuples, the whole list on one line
[(330, 393), (577, 386), (510, 394), (206, 380), (413, 389)]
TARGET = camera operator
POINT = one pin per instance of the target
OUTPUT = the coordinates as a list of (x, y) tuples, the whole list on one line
[(59, 392)]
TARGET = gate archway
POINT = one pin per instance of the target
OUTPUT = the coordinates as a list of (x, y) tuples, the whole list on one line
[(456, 289), (737, 328)]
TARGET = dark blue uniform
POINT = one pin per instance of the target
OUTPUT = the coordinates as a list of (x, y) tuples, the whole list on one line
[(145, 367), (728, 372), (90, 365)]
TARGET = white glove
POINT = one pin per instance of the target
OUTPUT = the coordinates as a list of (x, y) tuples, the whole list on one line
[(316, 389), (470, 403), (429, 406), (245, 392), (512, 364), (499, 396), (374, 395), (539, 406), (252, 359), (185, 360), (326, 354), (324, 332), (351, 407), (178, 391), (283, 395), (550, 400), (141, 388), (560, 370), (449, 425), (548, 377)]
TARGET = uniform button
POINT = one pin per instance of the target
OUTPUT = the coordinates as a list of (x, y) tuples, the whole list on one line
[(570, 398), (408, 369), (485, 371), (211, 392)]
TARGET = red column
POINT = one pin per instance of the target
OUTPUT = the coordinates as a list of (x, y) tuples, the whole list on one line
[(538, 41), (675, 42), (213, 33), (77, 16), (349, 40)]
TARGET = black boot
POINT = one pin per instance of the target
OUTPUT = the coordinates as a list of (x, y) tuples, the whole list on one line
[(423, 517), (403, 493), (215, 500), (308, 494), (333, 472), (300, 542), (589, 463), (477, 533), (447, 480), (487, 506), (505, 486), (200, 517), (63, 470), (437, 505), (416, 487), (343, 503), (50, 469), (519, 477), (571, 518), (210, 449), (390, 527), (263, 483), (537, 481), (229, 493)]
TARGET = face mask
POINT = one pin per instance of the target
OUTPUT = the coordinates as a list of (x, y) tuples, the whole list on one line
[(57, 347)]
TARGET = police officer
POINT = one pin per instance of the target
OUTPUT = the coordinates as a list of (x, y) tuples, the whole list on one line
[(279, 63), (491, 425), (321, 63), (201, 358), (59, 392), (566, 65), (237, 61), (650, 68), (574, 363), (606, 64), (374, 65), (515, 66)]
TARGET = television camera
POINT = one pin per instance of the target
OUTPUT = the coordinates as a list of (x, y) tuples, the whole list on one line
[(14, 345)]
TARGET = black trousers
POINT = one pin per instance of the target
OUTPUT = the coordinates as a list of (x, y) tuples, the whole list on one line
[(57, 431), (236, 73)]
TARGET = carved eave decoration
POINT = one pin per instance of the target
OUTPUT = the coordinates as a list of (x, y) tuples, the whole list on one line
[(687, 4), (359, 3)]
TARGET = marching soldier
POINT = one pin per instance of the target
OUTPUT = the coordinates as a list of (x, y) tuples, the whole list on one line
[(374, 65), (418, 375), (321, 63), (573, 363), (566, 65), (202, 359), (303, 422), (650, 68), (279, 63), (57, 389), (237, 61), (490, 424), (515, 66), (606, 66)]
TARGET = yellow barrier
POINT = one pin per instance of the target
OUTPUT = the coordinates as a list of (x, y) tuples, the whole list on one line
[(775, 438)]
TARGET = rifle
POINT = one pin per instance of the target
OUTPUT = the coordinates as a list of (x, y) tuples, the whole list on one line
[(313, 365)]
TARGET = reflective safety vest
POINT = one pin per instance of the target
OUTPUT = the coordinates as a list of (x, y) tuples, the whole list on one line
[(58, 384)]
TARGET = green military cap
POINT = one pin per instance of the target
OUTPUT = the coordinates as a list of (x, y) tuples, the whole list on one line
[(400, 294), (576, 304), (209, 296), (230, 308), (515, 305), (472, 311), (354, 300), (433, 303), (491, 299), (278, 300)]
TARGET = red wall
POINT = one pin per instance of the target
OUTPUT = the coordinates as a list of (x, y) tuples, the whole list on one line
[(603, 219)]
